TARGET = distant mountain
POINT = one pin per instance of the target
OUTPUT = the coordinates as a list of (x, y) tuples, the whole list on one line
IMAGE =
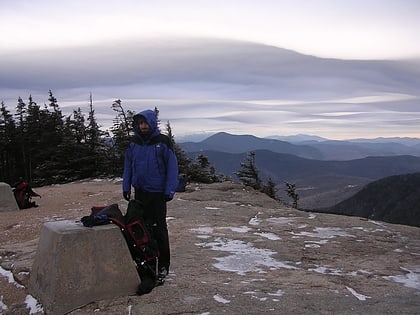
[(311, 147), (402, 140), (297, 138), (394, 199), (225, 142), (319, 183), (348, 150)]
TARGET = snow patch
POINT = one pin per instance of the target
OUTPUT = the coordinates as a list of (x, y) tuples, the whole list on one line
[(241, 229), (203, 230), (244, 257), (262, 296), (33, 305), (410, 280), (277, 293), (280, 220), (324, 233), (9, 275), (220, 299), (270, 236), (359, 296), (3, 307), (336, 272), (254, 221)]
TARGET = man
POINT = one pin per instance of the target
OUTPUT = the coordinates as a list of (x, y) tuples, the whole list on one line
[(151, 167)]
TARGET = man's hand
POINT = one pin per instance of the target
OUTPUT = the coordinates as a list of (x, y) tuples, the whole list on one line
[(126, 195)]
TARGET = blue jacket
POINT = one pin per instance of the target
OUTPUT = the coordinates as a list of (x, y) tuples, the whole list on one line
[(150, 163)]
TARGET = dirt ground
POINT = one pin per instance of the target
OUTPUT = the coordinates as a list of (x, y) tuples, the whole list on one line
[(234, 251)]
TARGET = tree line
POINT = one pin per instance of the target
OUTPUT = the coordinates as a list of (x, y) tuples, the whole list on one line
[(42, 146)]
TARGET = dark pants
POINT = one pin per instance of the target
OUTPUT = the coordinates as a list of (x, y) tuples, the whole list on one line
[(155, 212)]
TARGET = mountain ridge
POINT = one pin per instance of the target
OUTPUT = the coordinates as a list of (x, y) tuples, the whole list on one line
[(394, 199), (313, 149), (320, 183)]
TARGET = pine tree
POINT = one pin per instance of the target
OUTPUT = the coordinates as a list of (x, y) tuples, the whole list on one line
[(8, 165), (93, 132), (21, 142), (121, 135), (202, 171), (270, 188), (74, 127), (291, 192), (50, 151), (122, 124), (183, 160), (249, 173)]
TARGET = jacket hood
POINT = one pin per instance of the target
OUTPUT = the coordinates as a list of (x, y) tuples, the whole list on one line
[(150, 117)]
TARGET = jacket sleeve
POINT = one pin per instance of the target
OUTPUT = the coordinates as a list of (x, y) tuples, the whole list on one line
[(127, 174), (171, 173)]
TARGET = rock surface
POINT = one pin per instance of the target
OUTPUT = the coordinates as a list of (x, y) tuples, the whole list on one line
[(235, 251)]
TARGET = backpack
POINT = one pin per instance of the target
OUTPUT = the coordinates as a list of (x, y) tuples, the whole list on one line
[(23, 194), (136, 231)]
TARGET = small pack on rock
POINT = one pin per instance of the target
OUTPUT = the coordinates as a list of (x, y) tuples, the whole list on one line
[(138, 234)]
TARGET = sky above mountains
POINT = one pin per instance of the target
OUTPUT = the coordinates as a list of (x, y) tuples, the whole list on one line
[(244, 67)]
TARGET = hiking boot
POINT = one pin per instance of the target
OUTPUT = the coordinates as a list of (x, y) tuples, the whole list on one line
[(146, 286), (163, 272)]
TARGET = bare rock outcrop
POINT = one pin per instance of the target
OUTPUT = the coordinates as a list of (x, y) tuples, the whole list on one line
[(235, 251)]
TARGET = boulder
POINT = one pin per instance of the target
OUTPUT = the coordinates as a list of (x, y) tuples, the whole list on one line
[(7, 198), (75, 265)]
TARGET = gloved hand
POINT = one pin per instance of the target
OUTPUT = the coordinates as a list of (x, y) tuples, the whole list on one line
[(87, 220), (168, 198), (126, 195)]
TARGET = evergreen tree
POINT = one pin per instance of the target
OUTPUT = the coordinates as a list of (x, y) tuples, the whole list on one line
[(33, 137), (52, 133), (183, 160), (21, 143), (76, 127), (270, 188), (122, 125), (249, 173), (157, 116), (202, 171), (96, 141), (21, 112), (121, 131), (291, 192), (93, 132), (8, 165)]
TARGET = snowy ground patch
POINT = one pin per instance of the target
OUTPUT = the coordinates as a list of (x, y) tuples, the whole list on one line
[(264, 296), (359, 296), (270, 236), (324, 233), (281, 220), (410, 280), (241, 229), (244, 257), (9, 276), (33, 305), (220, 299), (3, 307)]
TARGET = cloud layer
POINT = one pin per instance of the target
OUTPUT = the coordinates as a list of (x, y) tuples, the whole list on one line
[(220, 85)]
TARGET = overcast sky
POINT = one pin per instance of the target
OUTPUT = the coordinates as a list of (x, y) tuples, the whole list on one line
[(214, 66)]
